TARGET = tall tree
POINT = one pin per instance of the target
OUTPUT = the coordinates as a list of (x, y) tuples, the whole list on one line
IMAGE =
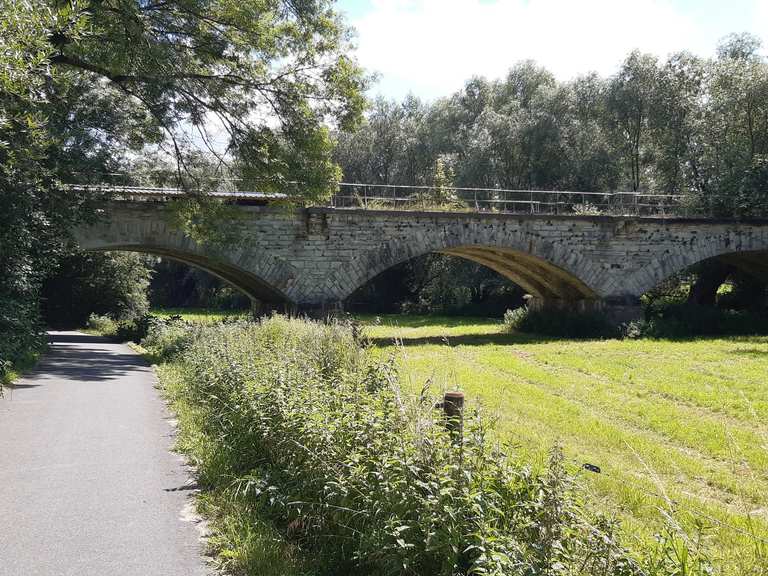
[(677, 124), (266, 72), (630, 100), (738, 128)]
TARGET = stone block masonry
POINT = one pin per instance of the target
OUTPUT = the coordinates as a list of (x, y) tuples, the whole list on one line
[(317, 257)]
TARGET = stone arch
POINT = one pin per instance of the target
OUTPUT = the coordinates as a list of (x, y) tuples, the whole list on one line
[(737, 244), (544, 269), (258, 274), (251, 285)]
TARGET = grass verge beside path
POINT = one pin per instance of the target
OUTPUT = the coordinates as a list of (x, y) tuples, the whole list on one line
[(242, 542), (685, 420), (14, 371)]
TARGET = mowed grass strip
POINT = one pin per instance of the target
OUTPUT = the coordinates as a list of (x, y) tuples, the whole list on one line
[(679, 421)]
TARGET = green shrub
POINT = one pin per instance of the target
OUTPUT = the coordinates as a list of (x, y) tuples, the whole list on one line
[(136, 329), (515, 319), (681, 320), (21, 333), (125, 330), (102, 324), (166, 339), (296, 420), (560, 323)]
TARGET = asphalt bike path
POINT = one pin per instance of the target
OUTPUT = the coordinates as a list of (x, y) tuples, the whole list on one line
[(89, 485)]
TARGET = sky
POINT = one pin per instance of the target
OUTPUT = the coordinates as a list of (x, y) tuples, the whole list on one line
[(431, 47)]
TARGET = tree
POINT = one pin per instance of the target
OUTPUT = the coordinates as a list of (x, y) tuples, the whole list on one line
[(593, 163), (103, 283), (630, 100), (737, 123), (266, 72), (677, 124), (85, 85)]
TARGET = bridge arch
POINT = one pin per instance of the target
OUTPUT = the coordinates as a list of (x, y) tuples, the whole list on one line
[(545, 270), (251, 285), (259, 274), (747, 251)]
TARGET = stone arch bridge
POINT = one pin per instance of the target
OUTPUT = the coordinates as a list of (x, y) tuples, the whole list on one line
[(317, 257)]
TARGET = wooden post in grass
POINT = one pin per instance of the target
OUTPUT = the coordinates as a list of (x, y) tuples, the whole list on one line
[(453, 408)]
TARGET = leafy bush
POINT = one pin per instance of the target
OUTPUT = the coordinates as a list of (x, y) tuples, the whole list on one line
[(126, 330), (561, 323), (680, 320), (102, 324), (297, 420), (514, 319), (21, 333), (136, 329), (168, 338)]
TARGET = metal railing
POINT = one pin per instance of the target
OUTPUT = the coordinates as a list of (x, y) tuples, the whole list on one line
[(430, 198), (504, 201)]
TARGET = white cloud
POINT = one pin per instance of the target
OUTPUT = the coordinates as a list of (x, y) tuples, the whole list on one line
[(430, 47), (760, 20)]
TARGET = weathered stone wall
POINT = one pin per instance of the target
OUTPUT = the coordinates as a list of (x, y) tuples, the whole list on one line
[(318, 255)]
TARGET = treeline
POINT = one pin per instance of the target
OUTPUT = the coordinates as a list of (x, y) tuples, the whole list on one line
[(684, 125)]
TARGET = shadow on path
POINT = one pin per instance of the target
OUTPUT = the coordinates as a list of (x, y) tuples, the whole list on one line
[(85, 358)]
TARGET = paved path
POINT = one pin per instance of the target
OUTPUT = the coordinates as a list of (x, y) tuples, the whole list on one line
[(88, 486)]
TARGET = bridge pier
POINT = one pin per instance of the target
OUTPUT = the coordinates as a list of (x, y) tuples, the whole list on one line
[(617, 309)]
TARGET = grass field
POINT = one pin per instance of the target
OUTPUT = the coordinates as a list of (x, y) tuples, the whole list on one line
[(675, 426), (671, 424)]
